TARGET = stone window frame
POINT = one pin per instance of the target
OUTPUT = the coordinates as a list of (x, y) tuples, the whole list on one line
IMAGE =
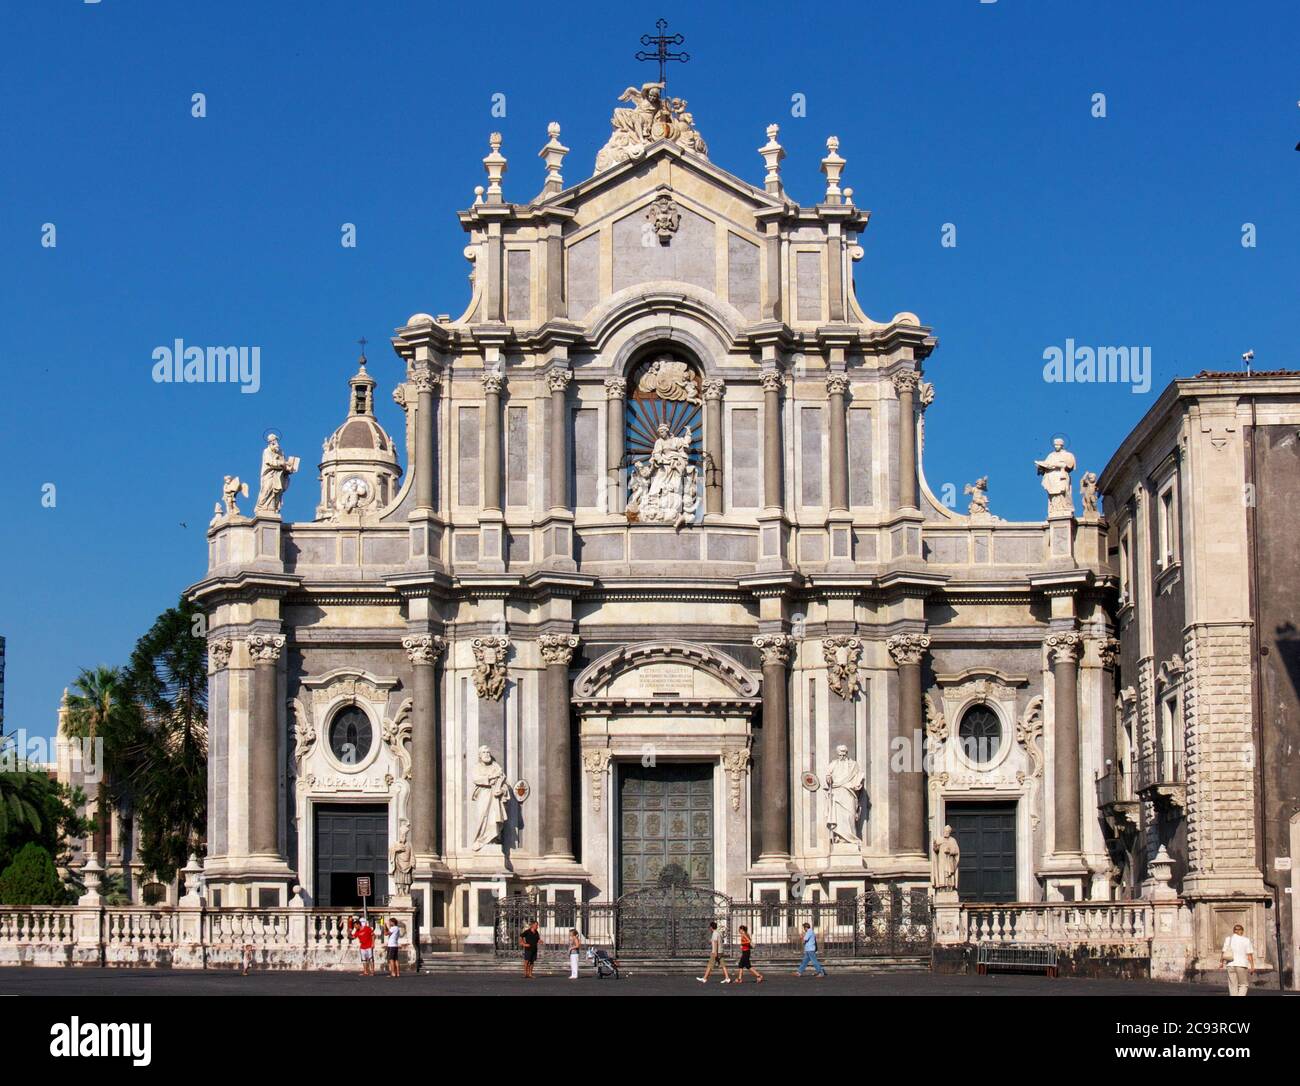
[(1000, 754)]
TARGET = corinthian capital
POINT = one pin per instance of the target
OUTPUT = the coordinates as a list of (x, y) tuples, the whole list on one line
[(775, 648), (424, 379), (713, 388), (219, 652), (1108, 651), (1064, 647), (265, 648), (615, 388), (558, 380), (906, 382), (772, 380), (424, 649), (837, 384), (492, 381), (557, 648), (907, 648)]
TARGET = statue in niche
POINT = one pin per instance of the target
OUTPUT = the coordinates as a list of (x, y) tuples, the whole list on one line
[(1055, 468), (401, 859), (276, 469), (844, 782), (491, 790), (947, 857), (665, 490)]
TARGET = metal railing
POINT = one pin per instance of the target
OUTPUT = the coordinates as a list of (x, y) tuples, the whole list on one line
[(1162, 767)]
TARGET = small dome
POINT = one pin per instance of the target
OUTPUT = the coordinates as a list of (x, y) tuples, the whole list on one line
[(359, 471)]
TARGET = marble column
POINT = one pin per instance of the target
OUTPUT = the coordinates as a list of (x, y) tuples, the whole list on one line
[(713, 390), (492, 382), (557, 784), (426, 382), (426, 756), (774, 747), (773, 450), (558, 382), (907, 651), (1063, 649), (615, 489), (905, 384), (837, 385), (264, 747)]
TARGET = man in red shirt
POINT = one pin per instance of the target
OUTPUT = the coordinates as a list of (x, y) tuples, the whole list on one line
[(364, 934)]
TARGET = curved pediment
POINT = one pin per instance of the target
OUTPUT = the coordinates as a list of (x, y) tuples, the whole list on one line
[(666, 671)]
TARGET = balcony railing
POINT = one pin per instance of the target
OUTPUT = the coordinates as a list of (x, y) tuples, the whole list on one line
[(1114, 787), (1161, 769)]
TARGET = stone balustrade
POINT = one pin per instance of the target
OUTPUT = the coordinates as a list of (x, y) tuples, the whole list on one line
[(187, 936), (1061, 923)]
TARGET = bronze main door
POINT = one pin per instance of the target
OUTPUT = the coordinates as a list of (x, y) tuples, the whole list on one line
[(665, 825)]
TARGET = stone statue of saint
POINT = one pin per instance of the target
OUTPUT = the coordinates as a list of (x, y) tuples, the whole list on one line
[(491, 790), (1055, 469), (947, 855), (276, 469), (401, 859), (844, 783), (665, 489)]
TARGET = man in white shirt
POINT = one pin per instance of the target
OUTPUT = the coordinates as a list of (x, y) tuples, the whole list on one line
[(1239, 957)]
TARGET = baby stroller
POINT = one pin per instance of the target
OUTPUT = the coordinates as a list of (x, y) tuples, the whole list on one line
[(606, 965)]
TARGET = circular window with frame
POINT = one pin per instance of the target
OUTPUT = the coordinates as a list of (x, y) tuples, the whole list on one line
[(351, 735), (980, 734)]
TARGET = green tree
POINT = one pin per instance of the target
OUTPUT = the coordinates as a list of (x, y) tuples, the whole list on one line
[(99, 708), (35, 809), (31, 879), (165, 767)]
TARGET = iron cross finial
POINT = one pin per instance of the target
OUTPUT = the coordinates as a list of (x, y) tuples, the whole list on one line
[(363, 341), (661, 42)]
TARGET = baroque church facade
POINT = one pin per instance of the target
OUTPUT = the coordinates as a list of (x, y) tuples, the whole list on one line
[(657, 590)]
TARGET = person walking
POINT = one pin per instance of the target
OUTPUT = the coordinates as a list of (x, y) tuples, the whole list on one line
[(1239, 957), (809, 952), (575, 952), (394, 945), (530, 940), (715, 955), (746, 948), (364, 934)]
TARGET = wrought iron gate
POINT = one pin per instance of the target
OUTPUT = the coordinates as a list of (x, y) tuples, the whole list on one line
[(673, 922)]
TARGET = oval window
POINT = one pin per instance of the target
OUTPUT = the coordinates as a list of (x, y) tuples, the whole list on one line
[(980, 734), (351, 735)]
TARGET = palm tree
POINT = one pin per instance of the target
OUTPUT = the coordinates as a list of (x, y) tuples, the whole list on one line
[(20, 799), (167, 774), (98, 709)]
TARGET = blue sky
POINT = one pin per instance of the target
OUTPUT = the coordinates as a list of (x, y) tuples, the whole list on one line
[(1122, 230)]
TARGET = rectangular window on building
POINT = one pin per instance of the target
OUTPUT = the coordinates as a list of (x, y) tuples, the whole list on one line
[(1171, 740), (1168, 527)]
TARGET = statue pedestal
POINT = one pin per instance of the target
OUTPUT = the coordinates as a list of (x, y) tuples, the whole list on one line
[(948, 929), (845, 856)]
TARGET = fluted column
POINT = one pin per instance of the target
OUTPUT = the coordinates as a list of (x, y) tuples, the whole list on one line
[(772, 447), (557, 785), (1063, 649), (615, 393), (905, 384), (426, 382), (837, 385), (424, 652), (774, 747), (907, 651), (558, 382), (263, 747), (492, 382), (713, 389)]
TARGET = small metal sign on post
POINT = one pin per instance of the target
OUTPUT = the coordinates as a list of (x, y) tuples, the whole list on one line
[(363, 891)]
